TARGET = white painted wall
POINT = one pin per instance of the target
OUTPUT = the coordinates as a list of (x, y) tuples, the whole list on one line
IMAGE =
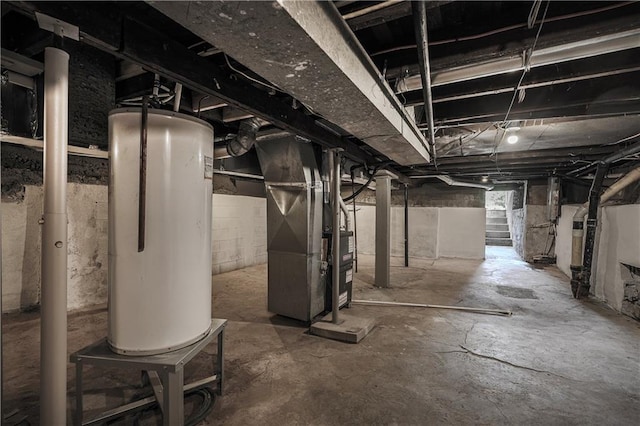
[(239, 232), (433, 232), (87, 248), (461, 232), (619, 242), (239, 240)]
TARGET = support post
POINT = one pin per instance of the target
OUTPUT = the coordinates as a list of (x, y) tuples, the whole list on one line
[(406, 225), (53, 329), (1, 376), (383, 228), (173, 398), (335, 236), (355, 227)]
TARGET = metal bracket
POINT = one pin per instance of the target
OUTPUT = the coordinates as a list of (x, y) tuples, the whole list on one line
[(58, 27)]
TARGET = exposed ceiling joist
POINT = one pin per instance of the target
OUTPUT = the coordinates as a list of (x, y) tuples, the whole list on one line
[(158, 53), (551, 55), (316, 59), (582, 98)]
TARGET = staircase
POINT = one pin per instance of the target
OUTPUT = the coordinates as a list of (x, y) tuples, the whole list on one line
[(497, 232)]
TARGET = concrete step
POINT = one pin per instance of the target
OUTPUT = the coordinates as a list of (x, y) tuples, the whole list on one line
[(497, 220), (498, 242), (498, 234), (497, 227), (496, 213)]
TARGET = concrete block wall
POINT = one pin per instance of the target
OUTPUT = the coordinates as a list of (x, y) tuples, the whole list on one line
[(87, 248), (239, 240), (618, 241), (436, 194), (434, 232), (530, 225), (239, 232)]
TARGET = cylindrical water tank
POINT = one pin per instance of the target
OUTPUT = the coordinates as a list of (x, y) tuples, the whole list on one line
[(160, 297)]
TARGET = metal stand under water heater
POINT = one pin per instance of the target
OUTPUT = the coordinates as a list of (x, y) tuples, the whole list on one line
[(160, 255)]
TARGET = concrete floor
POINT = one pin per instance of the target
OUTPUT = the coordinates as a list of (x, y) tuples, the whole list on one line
[(555, 361)]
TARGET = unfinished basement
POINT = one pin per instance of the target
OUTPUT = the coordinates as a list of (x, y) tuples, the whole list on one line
[(320, 213)]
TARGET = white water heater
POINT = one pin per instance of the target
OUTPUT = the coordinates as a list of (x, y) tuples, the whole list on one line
[(160, 295)]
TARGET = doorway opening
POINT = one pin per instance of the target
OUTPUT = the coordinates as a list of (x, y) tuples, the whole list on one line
[(498, 228)]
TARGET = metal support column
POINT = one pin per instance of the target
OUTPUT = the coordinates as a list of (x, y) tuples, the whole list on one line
[(335, 236), (53, 329), (383, 228), (355, 228), (406, 225)]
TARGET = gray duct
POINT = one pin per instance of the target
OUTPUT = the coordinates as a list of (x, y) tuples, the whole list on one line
[(241, 143), (294, 225)]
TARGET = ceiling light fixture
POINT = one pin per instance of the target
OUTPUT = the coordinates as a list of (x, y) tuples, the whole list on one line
[(512, 139), (485, 178)]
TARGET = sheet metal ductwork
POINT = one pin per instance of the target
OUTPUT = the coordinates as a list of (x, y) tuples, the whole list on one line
[(241, 143), (316, 59), (294, 225)]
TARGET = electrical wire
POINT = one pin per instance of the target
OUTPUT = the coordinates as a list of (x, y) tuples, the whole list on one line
[(208, 400), (504, 29), (248, 77), (363, 187)]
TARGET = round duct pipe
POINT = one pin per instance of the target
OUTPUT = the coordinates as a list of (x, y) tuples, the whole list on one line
[(241, 143)]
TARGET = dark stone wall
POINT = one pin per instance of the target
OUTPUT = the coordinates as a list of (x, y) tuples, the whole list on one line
[(428, 195), (23, 166), (537, 193), (92, 94)]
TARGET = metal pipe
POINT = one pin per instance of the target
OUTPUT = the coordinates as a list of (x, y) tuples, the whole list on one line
[(578, 233), (335, 237), (38, 145), (53, 329), (355, 227), (1, 382), (142, 181), (406, 225), (240, 144), (452, 182), (178, 98), (617, 156), (156, 86), (580, 275), (238, 174), (503, 312), (582, 49), (375, 7), (347, 219), (420, 24)]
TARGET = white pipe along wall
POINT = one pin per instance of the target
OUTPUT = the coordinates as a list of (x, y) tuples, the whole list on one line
[(53, 331), (578, 234)]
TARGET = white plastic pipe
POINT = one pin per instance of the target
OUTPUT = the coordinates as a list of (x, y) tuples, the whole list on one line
[(53, 329)]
